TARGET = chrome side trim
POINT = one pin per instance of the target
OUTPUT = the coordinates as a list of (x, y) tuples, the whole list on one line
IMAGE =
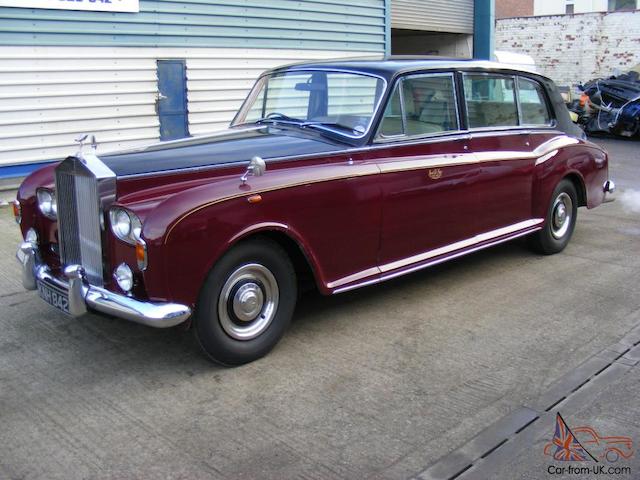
[(555, 143), (355, 277), (442, 254), (483, 237), (546, 157), (427, 161)]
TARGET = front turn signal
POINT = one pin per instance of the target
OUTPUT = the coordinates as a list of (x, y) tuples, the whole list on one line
[(17, 211), (141, 254)]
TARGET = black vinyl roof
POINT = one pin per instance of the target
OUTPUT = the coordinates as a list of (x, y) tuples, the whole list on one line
[(388, 67)]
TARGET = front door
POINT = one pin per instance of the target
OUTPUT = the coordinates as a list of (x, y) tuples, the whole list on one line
[(428, 175), (172, 99)]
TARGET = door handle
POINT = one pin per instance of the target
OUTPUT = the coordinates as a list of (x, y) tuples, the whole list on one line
[(159, 97)]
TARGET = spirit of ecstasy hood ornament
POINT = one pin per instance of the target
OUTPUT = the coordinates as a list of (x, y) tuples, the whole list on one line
[(82, 138)]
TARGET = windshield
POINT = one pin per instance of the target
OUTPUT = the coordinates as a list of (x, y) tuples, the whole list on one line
[(342, 102)]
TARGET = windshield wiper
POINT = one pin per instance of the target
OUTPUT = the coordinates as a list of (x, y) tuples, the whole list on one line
[(274, 117), (327, 124), (277, 117)]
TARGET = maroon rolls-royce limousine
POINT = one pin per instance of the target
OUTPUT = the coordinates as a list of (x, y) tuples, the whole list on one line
[(339, 173)]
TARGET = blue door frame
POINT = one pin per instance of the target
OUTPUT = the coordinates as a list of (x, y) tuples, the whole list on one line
[(172, 99)]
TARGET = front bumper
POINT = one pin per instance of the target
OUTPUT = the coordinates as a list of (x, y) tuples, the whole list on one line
[(83, 297)]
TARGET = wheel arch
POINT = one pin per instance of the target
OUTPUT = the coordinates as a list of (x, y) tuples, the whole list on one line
[(578, 183), (304, 261)]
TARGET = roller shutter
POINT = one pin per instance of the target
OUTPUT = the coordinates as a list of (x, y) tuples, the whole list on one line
[(453, 16)]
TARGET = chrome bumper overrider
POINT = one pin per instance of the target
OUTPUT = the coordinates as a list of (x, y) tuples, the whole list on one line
[(609, 188), (83, 296)]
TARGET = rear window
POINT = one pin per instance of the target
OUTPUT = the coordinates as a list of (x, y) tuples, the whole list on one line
[(491, 101), (533, 107)]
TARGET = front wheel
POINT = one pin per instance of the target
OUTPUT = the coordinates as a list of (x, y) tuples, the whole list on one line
[(246, 303), (560, 221)]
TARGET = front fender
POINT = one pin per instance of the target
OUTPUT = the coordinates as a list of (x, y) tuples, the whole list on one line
[(180, 262), (188, 232)]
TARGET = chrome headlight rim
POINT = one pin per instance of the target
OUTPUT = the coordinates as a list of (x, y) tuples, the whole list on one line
[(47, 203), (125, 225)]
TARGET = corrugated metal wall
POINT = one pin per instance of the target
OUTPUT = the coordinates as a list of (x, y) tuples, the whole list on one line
[(342, 25), (50, 95), (453, 16), (63, 73)]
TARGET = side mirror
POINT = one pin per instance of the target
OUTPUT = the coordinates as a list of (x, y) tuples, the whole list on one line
[(257, 167)]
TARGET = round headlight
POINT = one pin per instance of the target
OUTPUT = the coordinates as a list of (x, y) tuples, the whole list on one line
[(123, 277), (47, 203), (125, 225), (121, 223)]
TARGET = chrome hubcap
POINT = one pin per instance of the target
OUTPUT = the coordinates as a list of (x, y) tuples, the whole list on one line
[(248, 301), (561, 215)]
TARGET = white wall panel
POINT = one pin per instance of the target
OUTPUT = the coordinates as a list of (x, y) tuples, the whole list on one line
[(51, 95)]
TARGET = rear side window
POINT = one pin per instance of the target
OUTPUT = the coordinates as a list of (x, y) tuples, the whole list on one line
[(420, 105), (491, 101), (533, 107)]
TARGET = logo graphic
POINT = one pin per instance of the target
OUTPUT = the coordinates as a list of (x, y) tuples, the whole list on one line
[(435, 173), (576, 445)]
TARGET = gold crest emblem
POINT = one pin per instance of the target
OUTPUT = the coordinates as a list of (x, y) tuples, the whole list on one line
[(435, 173)]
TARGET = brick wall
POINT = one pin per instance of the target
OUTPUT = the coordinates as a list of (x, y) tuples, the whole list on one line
[(514, 8), (573, 49)]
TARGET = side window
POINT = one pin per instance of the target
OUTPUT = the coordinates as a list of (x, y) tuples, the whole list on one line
[(533, 107), (491, 101), (428, 106), (392, 124)]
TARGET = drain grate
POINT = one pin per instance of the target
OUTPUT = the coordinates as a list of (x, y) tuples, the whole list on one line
[(458, 463)]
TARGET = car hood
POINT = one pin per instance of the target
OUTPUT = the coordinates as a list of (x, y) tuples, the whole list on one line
[(226, 147)]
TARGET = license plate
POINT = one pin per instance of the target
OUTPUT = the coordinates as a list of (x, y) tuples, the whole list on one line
[(53, 296)]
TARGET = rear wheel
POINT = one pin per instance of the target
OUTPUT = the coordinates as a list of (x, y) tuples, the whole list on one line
[(246, 303), (560, 221)]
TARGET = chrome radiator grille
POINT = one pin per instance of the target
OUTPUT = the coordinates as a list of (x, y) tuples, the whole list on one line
[(79, 192)]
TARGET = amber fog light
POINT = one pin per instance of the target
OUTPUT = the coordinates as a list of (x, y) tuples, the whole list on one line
[(123, 277)]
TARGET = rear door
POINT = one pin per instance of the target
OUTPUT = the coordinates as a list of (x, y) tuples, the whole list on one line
[(503, 149)]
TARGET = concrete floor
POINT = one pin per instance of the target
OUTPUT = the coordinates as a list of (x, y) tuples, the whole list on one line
[(377, 383)]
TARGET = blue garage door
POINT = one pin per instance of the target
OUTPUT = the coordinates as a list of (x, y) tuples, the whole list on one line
[(172, 99)]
